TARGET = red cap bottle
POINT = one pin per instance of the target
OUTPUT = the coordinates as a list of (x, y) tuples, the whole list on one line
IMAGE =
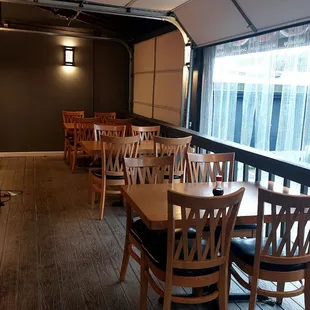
[(218, 189)]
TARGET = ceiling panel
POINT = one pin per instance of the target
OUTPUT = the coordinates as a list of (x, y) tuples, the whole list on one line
[(266, 14), (210, 21), (112, 2), (160, 5)]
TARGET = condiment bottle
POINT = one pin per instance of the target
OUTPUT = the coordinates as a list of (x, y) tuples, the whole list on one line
[(218, 189)]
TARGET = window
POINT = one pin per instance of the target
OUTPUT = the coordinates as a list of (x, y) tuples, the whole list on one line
[(256, 92)]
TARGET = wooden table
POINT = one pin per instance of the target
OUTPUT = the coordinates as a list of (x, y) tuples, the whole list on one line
[(154, 211), (149, 201), (93, 148)]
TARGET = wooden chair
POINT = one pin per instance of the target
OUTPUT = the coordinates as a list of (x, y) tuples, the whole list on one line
[(83, 131), (109, 130), (105, 115), (191, 262), (282, 255), (67, 117), (146, 133), (177, 147), (126, 121), (145, 170), (111, 173), (205, 167)]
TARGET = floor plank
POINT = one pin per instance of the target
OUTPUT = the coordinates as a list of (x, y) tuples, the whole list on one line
[(10, 259), (56, 254)]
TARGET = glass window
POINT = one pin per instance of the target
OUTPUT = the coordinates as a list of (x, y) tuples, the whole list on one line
[(256, 92)]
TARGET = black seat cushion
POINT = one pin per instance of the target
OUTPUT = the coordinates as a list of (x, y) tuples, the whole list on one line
[(69, 137), (154, 242), (98, 174), (237, 227), (95, 164), (246, 227), (141, 232), (244, 249), (175, 177)]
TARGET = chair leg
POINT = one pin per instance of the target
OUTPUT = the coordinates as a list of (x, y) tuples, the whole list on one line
[(254, 285), (102, 199), (307, 287), (223, 288), (90, 188), (126, 257), (280, 288), (168, 291), (198, 291), (229, 278), (73, 160), (65, 150), (143, 283), (92, 197)]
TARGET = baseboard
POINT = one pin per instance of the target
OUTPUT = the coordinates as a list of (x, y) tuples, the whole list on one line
[(25, 154)]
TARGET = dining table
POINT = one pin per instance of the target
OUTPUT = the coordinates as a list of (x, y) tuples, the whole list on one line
[(154, 212), (93, 148)]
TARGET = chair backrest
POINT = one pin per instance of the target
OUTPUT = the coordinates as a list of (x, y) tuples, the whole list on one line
[(69, 116), (109, 130), (206, 249), (123, 121), (177, 147), (148, 170), (146, 133), (288, 239), (113, 150), (105, 115), (205, 167), (84, 129)]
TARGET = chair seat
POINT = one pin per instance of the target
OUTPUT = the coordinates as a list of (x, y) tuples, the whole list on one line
[(69, 137), (244, 249), (95, 164), (237, 228), (98, 174), (246, 227), (140, 232), (175, 177), (154, 242)]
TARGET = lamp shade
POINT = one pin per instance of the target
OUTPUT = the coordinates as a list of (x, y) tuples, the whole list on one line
[(68, 56)]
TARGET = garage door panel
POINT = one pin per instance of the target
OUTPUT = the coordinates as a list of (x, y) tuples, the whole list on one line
[(143, 88)]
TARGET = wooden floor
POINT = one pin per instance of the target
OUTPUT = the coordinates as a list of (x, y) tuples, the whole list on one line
[(55, 254)]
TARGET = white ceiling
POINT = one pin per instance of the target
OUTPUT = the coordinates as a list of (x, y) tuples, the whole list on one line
[(211, 21), (265, 13), (160, 5)]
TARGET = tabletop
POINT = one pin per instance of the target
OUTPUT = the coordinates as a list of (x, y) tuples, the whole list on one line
[(94, 147), (154, 211)]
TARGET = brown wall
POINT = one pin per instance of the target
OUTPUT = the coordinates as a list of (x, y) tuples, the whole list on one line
[(110, 76), (35, 87)]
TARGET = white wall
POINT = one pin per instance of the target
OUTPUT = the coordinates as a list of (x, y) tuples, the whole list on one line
[(158, 77)]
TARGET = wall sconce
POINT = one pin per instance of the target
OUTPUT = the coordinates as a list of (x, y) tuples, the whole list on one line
[(69, 56)]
